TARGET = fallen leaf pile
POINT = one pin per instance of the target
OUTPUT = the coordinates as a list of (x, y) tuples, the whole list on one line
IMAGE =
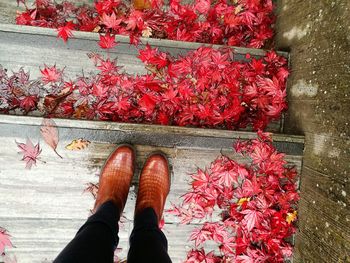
[(256, 204), (204, 88), (247, 23)]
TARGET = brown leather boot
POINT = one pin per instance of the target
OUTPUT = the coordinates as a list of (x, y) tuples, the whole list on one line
[(154, 184), (116, 177)]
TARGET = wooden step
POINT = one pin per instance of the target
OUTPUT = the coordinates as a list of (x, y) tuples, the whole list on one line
[(32, 47), (44, 207)]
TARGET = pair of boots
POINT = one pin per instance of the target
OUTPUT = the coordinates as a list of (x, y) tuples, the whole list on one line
[(117, 174)]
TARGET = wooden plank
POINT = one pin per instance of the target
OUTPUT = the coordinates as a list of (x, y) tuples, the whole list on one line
[(319, 116), (322, 231), (328, 154), (52, 197), (204, 138), (44, 240), (317, 34), (172, 45)]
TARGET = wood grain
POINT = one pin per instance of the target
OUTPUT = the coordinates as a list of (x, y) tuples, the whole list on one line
[(44, 207), (317, 35)]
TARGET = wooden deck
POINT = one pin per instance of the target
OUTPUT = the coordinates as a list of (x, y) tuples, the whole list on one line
[(44, 207)]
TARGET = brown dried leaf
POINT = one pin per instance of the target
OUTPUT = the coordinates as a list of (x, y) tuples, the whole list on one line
[(49, 132), (141, 4), (78, 144)]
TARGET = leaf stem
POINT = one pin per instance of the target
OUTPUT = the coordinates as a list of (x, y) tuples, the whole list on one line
[(58, 154)]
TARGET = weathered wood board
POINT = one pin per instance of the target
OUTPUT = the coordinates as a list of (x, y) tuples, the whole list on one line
[(32, 47), (317, 34), (44, 207)]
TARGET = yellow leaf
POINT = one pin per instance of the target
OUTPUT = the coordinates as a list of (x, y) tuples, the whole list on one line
[(291, 217), (242, 200), (78, 144)]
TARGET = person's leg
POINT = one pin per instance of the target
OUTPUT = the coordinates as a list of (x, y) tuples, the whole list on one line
[(147, 241), (98, 237), (96, 240)]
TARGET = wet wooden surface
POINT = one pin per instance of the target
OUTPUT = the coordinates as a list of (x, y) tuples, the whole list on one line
[(44, 207), (317, 34)]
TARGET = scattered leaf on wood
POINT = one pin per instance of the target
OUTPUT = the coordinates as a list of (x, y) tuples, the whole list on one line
[(4, 240), (78, 144), (49, 132), (30, 152)]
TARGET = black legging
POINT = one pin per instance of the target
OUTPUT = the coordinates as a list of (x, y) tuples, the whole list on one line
[(97, 239)]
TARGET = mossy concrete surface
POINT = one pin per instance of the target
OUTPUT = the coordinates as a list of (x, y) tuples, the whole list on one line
[(317, 34)]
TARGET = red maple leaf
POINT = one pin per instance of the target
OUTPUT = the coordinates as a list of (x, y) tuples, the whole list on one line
[(65, 31), (26, 18), (28, 103), (30, 152), (106, 6), (199, 256), (202, 6), (200, 235), (4, 240), (50, 74), (107, 41), (201, 180), (251, 218), (135, 20), (153, 56), (110, 21), (147, 104)]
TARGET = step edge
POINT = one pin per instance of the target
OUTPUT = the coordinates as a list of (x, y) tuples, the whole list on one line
[(159, 129), (125, 39)]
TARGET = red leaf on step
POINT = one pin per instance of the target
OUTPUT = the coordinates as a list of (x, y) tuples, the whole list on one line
[(65, 32), (50, 74), (30, 152), (49, 132), (28, 103), (147, 104), (252, 218), (107, 41), (110, 21), (4, 240)]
